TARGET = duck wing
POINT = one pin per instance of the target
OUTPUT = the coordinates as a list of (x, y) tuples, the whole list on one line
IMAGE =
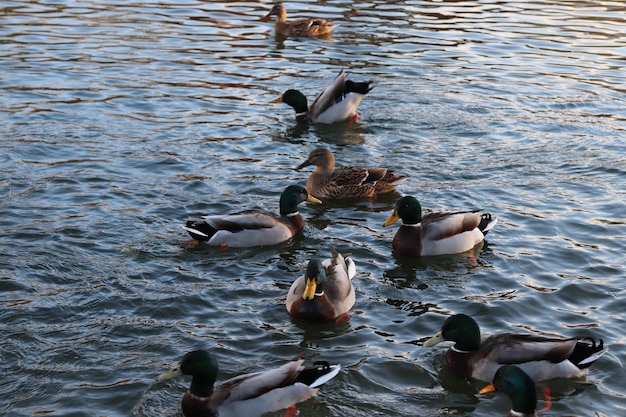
[(437, 226), (256, 394), (249, 386), (329, 96), (339, 274), (295, 292), (512, 348), (245, 220), (310, 27), (351, 175)]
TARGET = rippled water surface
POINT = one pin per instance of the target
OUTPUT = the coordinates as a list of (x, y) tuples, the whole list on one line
[(120, 120)]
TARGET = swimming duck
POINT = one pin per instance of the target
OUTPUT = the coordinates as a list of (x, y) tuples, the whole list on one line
[(519, 387), (433, 234), (252, 227), (335, 104), (300, 27), (326, 181), (247, 395), (540, 357), (325, 291)]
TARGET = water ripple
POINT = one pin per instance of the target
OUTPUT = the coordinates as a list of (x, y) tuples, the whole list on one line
[(121, 120)]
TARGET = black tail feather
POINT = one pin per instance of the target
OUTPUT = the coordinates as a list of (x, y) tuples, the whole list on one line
[(360, 88), (202, 227), (485, 220), (310, 374), (584, 350)]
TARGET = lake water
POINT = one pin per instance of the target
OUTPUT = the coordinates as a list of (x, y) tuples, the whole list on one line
[(120, 120)]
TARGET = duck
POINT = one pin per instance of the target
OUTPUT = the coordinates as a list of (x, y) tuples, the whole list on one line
[(438, 233), (540, 357), (254, 227), (326, 181), (325, 291), (518, 386), (337, 103), (300, 27), (249, 395)]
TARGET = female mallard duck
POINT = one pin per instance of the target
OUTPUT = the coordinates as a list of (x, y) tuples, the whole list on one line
[(247, 395), (326, 181), (540, 357), (335, 104), (252, 227), (325, 291), (519, 387), (300, 27), (436, 233)]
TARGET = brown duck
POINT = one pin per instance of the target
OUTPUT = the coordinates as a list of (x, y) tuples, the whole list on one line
[(349, 181), (300, 27)]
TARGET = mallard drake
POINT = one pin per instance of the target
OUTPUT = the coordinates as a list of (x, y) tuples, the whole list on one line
[(519, 387), (300, 27), (540, 357), (247, 395), (325, 291), (335, 104), (252, 227), (433, 234), (326, 181)]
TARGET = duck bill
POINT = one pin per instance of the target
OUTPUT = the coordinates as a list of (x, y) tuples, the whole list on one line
[(266, 18), (312, 199), (489, 388), (277, 100), (392, 219), (309, 290), (172, 373), (438, 338), (302, 165)]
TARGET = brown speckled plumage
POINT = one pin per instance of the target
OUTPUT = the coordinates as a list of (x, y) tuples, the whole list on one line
[(300, 27), (349, 181)]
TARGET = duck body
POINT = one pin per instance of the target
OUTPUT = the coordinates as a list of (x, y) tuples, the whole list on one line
[(252, 227), (326, 181), (325, 291), (433, 234), (300, 27), (339, 102), (519, 387), (247, 395), (540, 357)]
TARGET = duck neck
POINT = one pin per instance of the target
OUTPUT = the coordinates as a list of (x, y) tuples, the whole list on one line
[(523, 397), (302, 116), (294, 221), (201, 386), (281, 15)]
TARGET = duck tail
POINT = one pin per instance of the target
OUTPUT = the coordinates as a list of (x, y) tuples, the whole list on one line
[(201, 230), (317, 374), (335, 257), (348, 262), (399, 179), (359, 88), (585, 353), (487, 222)]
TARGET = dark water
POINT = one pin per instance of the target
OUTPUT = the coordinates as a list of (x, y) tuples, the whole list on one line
[(122, 120)]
